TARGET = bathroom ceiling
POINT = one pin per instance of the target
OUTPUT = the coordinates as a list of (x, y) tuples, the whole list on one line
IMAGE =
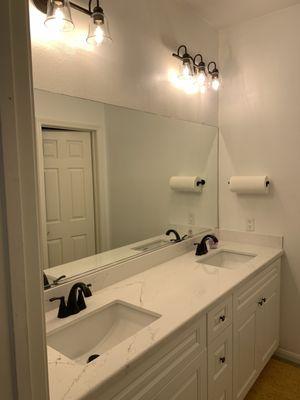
[(224, 13)]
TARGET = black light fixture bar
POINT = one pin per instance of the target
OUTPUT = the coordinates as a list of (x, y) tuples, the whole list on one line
[(81, 9), (183, 56), (42, 6)]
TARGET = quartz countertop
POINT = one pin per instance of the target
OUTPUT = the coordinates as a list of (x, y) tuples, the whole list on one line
[(178, 290)]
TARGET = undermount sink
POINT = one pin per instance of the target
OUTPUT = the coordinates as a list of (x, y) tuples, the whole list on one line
[(156, 244), (227, 259), (86, 338)]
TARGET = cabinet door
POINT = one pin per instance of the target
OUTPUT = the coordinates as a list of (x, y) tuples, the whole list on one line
[(190, 384), (219, 362), (245, 359), (268, 323)]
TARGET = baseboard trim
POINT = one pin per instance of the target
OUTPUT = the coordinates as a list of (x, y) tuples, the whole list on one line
[(288, 355)]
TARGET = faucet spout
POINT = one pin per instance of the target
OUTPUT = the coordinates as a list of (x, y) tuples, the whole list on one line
[(202, 246)]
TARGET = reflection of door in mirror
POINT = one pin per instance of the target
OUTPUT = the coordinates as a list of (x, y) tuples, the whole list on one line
[(69, 201)]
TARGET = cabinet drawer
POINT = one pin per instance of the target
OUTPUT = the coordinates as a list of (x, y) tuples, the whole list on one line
[(154, 370), (219, 366), (219, 318), (251, 291)]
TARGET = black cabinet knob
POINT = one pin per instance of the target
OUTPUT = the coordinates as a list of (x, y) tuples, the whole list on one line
[(222, 318), (222, 360)]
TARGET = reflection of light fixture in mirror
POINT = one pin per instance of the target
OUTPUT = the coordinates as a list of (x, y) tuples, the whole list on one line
[(98, 25), (215, 78), (59, 17)]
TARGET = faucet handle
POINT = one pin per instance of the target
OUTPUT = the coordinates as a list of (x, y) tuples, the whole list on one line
[(56, 281), (62, 310)]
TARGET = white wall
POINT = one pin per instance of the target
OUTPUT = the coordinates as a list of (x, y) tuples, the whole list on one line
[(260, 134), (133, 70)]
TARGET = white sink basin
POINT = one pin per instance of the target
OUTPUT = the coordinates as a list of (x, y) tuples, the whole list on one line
[(227, 259), (99, 331)]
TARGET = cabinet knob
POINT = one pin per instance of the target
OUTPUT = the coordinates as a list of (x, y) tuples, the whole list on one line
[(222, 360), (222, 318), (264, 299)]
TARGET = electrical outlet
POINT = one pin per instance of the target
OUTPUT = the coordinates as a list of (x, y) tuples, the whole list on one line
[(250, 224), (191, 218)]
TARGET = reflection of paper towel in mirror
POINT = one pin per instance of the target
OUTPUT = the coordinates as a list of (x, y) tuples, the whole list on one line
[(249, 184), (186, 183)]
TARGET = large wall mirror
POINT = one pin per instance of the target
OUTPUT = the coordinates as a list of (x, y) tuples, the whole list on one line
[(104, 176)]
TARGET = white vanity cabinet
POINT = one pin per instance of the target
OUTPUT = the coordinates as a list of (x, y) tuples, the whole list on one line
[(214, 357), (256, 327), (175, 370)]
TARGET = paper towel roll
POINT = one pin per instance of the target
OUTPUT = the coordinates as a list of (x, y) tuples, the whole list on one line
[(186, 183), (249, 184)]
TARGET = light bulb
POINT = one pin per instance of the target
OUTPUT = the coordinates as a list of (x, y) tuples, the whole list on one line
[(215, 84), (201, 78), (186, 71), (98, 28), (99, 35)]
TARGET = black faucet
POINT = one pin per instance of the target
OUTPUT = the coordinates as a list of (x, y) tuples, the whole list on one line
[(202, 246), (75, 301), (177, 236)]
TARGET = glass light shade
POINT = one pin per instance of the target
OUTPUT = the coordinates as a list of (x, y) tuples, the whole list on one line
[(201, 77), (187, 69), (215, 83), (98, 30), (59, 18)]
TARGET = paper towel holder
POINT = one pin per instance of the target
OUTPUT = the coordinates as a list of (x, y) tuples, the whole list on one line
[(267, 183)]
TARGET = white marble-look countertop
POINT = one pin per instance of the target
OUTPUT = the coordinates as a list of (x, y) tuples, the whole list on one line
[(178, 290)]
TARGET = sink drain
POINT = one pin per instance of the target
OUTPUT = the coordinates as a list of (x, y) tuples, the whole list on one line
[(92, 358)]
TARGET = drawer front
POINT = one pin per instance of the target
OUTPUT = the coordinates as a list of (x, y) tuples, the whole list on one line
[(218, 319), (150, 374), (251, 291), (219, 365)]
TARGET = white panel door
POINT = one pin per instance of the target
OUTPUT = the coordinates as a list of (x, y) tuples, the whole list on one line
[(69, 200)]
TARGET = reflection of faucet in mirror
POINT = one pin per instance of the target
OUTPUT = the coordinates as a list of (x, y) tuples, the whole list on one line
[(55, 282), (75, 301), (46, 282), (177, 236)]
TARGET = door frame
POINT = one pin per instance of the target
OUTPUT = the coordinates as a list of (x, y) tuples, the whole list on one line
[(100, 181), (20, 239)]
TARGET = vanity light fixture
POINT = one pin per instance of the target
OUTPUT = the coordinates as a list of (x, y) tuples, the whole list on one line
[(186, 78), (214, 73), (59, 18), (98, 26), (200, 68), (187, 70), (194, 74)]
